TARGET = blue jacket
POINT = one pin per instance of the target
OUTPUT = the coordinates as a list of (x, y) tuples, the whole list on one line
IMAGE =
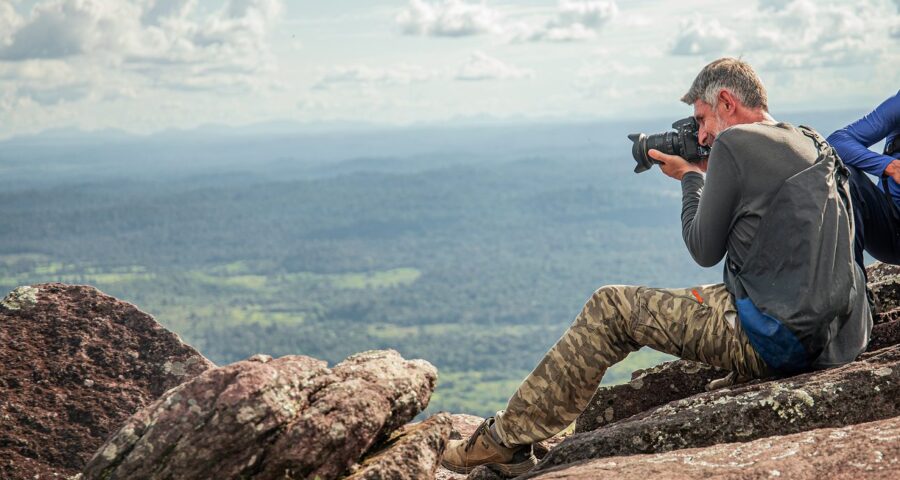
[(853, 141)]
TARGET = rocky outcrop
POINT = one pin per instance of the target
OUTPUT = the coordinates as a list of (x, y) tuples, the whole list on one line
[(868, 450), (885, 334), (76, 364), (292, 417), (647, 389), (862, 391), (412, 453), (884, 281)]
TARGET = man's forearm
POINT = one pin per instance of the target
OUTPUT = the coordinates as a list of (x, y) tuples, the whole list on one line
[(853, 141), (853, 152), (692, 184)]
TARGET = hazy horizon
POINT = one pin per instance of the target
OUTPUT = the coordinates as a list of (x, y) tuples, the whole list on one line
[(285, 126)]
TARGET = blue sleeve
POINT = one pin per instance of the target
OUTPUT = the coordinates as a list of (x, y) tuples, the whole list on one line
[(853, 141)]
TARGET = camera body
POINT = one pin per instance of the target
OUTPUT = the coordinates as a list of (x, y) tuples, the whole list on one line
[(682, 142)]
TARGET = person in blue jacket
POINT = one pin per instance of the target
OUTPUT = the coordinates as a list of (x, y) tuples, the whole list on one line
[(876, 208)]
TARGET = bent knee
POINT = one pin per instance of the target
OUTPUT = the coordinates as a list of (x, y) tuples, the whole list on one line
[(612, 301), (613, 293)]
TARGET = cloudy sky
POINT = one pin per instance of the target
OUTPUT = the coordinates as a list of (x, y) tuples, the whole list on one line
[(147, 65)]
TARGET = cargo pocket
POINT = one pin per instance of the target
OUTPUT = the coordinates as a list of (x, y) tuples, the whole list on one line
[(707, 338), (666, 318)]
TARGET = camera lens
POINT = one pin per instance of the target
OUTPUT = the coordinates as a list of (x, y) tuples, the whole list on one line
[(664, 142), (639, 152), (682, 142)]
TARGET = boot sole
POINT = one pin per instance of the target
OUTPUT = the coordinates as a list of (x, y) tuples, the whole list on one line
[(511, 469)]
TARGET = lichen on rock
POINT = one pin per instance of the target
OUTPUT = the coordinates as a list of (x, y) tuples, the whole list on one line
[(20, 298)]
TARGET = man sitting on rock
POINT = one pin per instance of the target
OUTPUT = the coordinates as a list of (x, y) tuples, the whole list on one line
[(775, 204), (876, 208)]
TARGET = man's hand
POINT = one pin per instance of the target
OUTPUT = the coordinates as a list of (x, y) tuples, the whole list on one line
[(893, 170), (675, 166)]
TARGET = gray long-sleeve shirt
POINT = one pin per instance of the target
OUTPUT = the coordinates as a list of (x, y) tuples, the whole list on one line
[(747, 166)]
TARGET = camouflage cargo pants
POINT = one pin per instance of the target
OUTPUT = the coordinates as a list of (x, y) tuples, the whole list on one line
[(692, 323)]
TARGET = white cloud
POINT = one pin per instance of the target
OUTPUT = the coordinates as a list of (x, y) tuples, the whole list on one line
[(371, 76), (806, 50), (156, 11), (804, 34), (604, 74), (71, 27), (789, 34), (447, 18), (592, 14), (9, 22), (167, 43), (612, 68), (895, 28), (786, 34), (774, 5), (56, 95), (481, 66), (46, 82), (698, 36), (574, 21)]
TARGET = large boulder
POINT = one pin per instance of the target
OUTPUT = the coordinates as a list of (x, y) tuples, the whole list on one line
[(75, 365), (868, 450), (292, 417), (862, 391)]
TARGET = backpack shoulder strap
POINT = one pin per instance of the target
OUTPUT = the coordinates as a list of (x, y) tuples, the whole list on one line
[(841, 172)]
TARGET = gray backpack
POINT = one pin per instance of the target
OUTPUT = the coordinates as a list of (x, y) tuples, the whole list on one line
[(795, 290)]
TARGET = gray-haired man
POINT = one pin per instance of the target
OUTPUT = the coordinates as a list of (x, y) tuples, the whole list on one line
[(754, 163)]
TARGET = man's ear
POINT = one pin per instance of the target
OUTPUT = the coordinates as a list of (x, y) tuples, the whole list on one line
[(727, 100)]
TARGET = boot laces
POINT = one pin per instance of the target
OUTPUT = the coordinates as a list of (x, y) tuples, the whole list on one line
[(481, 430)]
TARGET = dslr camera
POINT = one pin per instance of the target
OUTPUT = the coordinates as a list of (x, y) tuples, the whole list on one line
[(682, 142)]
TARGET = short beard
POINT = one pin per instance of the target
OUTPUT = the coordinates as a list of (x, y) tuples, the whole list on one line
[(718, 118)]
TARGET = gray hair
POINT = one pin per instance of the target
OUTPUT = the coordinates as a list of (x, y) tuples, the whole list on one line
[(732, 74)]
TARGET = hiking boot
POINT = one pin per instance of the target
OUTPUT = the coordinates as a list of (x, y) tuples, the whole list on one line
[(462, 456)]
